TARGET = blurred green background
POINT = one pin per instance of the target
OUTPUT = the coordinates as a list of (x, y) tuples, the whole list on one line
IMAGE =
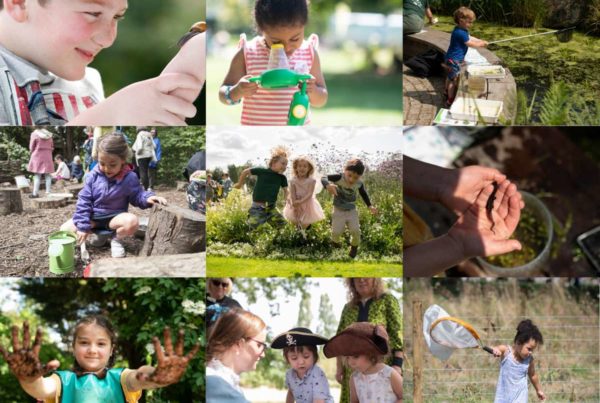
[(147, 41), (362, 70)]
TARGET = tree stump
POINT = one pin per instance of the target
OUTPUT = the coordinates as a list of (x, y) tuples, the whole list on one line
[(10, 201), (188, 265), (74, 189), (173, 230), (49, 202)]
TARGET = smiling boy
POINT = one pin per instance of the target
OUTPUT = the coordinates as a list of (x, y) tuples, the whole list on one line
[(45, 48)]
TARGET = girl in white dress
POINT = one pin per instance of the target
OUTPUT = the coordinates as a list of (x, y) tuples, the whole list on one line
[(364, 347)]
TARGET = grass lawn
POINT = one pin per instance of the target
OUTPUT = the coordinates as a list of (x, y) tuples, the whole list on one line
[(239, 267), (356, 98)]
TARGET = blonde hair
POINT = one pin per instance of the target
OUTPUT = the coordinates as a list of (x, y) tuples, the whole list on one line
[(311, 166), (378, 289), (278, 153), (232, 326), (464, 12)]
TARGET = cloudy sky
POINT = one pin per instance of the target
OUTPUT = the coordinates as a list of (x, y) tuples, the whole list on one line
[(237, 145)]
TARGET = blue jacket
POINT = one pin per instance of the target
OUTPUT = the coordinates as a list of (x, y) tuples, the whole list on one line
[(101, 195), (157, 151), (76, 171)]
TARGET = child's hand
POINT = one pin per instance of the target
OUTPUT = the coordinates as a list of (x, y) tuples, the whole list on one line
[(157, 199), (541, 395), (311, 86), (484, 43), (171, 364), (332, 189), (373, 210), (81, 237), (144, 103), (496, 352), (243, 89), (339, 375), (24, 361), (238, 185), (479, 232)]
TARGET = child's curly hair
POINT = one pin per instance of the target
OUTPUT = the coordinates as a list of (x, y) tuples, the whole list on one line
[(464, 12), (311, 166), (287, 13), (526, 331), (278, 153)]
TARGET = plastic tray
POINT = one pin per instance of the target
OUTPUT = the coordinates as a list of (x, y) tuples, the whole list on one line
[(492, 71), (471, 109)]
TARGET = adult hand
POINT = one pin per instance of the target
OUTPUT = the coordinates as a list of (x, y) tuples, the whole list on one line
[(171, 364), (24, 360), (461, 187), (482, 232), (157, 199)]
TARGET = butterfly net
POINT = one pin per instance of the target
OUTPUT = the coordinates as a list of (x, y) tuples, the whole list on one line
[(444, 333)]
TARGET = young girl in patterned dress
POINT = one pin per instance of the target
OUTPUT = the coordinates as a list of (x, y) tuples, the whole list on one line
[(302, 208), (517, 364), (278, 22)]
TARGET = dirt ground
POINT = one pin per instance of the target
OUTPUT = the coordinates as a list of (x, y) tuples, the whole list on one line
[(24, 237)]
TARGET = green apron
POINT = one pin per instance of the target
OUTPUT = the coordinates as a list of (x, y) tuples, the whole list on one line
[(88, 388)]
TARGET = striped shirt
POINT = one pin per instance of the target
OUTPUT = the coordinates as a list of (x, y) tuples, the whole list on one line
[(29, 95), (270, 107)]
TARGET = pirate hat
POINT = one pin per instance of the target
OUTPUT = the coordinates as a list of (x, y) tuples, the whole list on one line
[(358, 338), (296, 337)]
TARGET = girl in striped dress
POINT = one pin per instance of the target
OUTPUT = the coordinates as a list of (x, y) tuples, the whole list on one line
[(278, 22)]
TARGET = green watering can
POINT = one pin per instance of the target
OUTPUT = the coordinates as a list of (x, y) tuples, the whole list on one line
[(61, 251), (285, 78)]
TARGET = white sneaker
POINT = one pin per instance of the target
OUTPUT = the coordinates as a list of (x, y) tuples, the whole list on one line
[(150, 190), (116, 248), (98, 241)]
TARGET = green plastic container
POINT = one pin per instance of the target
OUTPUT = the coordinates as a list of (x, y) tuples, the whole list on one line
[(279, 78), (61, 252), (298, 107)]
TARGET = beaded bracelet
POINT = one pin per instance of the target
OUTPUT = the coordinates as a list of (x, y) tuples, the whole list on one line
[(228, 98)]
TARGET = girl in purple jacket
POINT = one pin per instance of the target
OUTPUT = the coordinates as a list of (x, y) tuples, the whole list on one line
[(109, 188)]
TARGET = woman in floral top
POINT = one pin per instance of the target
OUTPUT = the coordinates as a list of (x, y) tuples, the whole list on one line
[(369, 302)]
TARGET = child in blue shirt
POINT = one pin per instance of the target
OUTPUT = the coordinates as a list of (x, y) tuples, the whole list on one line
[(460, 41)]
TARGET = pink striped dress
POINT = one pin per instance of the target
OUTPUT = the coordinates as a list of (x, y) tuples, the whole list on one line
[(270, 107)]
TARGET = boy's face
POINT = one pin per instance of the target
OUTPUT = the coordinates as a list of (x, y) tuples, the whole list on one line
[(64, 36), (290, 37), (465, 23), (301, 361), (280, 165), (351, 177)]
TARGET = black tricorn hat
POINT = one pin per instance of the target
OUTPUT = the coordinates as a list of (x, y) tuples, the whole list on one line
[(296, 337), (358, 338)]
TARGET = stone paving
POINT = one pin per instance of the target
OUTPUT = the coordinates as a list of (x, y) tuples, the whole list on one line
[(422, 98)]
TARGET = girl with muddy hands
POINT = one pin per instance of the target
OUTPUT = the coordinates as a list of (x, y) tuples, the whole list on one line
[(488, 207), (92, 378)]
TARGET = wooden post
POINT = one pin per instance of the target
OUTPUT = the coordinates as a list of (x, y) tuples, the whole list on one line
[(10, 201), (173, 230), (418, 343), (185, 265)]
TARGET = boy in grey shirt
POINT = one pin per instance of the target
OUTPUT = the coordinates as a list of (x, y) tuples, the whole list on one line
[(344, 188)]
